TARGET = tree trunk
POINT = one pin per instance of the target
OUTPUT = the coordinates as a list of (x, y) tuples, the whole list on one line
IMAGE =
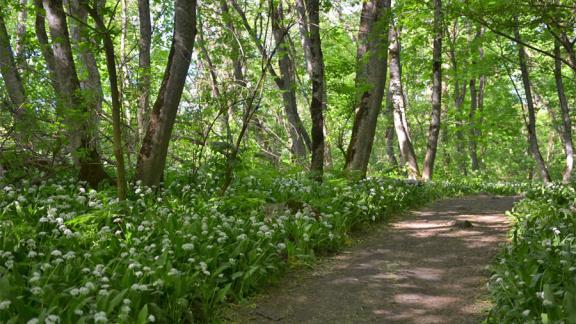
[(152, 157), (10, 74), (288, 80), (566, 130), (472, 142), (235, 53), (434, 129), (277, 80), (71, 105), (91, 83), (317, 103), (21, 36), (144, 45), (459, 97), (303, 28), (45, 48), (116, 104), (371, 68), (531, 125), (399, 106), (390, 132)]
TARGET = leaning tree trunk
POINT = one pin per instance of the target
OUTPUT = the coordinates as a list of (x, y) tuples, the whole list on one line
[(566, 130), (318, 89), (288, 80), (531, 125), (399, 104), (71, 105), (371, 68), (434, 129), (144, 67), (152, 157)]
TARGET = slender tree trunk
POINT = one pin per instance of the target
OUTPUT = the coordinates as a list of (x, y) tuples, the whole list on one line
[(90, 83), (459, 97), (144, 45), (277, 79), (42, 36), (235, 53), (434, 129), (124, 83), (21, 36), (399, 104), (71, 104), (152, 157), (472, 143), (10, 74), (304, 29), (371, 57), (318, 91), (116, 104), (390, 132), (531, 125), (566, 130), (288, 80)]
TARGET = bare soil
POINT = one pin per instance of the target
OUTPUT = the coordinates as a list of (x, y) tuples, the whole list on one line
[(430, 266)]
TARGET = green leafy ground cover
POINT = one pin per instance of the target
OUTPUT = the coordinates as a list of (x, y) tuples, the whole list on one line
[(535, 276), (72, 254)]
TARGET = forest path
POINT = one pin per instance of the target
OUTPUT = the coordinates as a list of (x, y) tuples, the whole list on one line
[(425, 267)]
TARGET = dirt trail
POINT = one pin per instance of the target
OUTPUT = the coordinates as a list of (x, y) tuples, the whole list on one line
[(427, 267)]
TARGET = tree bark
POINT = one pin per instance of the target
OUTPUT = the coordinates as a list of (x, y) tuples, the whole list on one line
[(90, 83), (399, 106), (45, 48), (303, 28), (531, 124), (144, 45), (10, 74), (152, 157), (472, 142), (371, 69), (288, 80), (434, 129), (72, 107), (390, 131), (21, 36), (317, 103), (566, 130)]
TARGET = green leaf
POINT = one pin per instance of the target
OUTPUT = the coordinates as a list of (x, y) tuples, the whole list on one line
[(143, 315)]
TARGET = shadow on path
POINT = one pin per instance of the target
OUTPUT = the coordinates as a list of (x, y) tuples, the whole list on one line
[(423, 268)]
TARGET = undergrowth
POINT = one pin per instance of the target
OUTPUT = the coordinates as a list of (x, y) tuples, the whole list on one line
[(72, 254), (535, 276)]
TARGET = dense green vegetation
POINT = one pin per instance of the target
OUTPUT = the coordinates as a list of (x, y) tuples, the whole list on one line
[(535, 277), (72, 252)]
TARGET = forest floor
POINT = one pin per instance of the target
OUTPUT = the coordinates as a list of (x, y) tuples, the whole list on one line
[(428, 266)]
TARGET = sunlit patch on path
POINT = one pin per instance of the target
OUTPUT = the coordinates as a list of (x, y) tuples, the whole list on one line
[(428, 267)]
